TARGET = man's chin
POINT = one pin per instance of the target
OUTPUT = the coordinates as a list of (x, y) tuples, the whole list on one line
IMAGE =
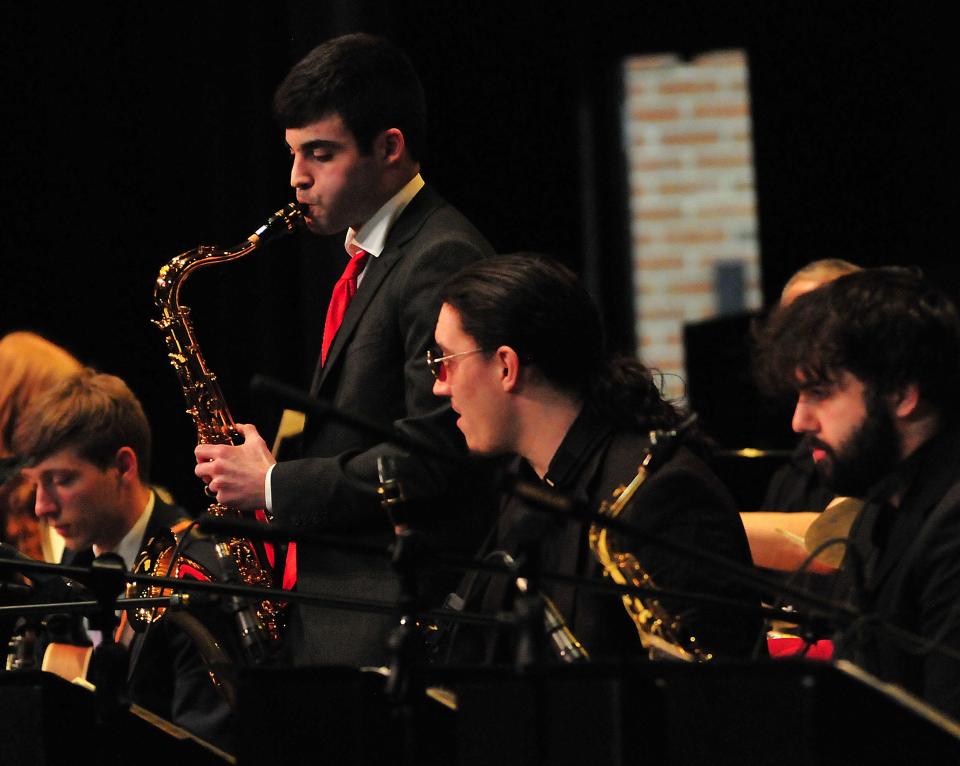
[(321, 227)]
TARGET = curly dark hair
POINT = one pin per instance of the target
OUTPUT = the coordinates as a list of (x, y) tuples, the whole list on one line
[(887, 326)]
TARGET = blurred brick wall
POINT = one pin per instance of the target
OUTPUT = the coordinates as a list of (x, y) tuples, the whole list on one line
[(693, 209)]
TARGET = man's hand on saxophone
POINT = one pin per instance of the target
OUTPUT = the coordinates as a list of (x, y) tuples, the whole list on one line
[(236, 476)]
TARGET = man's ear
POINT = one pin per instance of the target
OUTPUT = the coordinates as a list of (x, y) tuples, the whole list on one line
[(127, 463), (906, 401), (509, 368), (390, 145)]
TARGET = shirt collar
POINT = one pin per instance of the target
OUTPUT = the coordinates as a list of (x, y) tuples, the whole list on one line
[(372, 236), (129, 546), (581, 441)]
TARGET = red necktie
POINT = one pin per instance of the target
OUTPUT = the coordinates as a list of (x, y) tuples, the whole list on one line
[(343, 293)]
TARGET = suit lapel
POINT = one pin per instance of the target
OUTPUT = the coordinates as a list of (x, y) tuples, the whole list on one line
[(403, 230)]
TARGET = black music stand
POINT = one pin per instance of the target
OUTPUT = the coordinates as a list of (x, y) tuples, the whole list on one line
[(46, 720), (781, 713)]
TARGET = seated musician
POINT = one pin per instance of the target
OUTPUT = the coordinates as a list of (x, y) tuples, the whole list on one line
[(795, 495), (87, 442), (874, 361), (520, 355)]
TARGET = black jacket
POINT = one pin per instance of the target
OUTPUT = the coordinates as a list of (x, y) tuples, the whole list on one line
[(376, 370), (682, 501), (167, 675)]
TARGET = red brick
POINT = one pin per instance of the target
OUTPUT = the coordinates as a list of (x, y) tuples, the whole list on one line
[(696, 86), (663, 114), (658, 214), (665, 364), (690, 137), (726, 211), (691, 288), (696, 236), (655, 314), (661, 264), (724, 161), (644, 63), (686, 187), (721, 59), (643, 239), (722, 110), (656, 164)]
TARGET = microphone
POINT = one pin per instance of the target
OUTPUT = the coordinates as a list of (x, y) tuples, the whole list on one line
[(53, 587), (664, 443), (252, 636), (390, 491)]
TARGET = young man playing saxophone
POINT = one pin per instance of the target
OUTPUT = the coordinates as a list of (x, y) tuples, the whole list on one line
[(354, 115)]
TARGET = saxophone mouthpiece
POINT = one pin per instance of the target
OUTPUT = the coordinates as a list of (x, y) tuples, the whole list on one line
[(284, 221)]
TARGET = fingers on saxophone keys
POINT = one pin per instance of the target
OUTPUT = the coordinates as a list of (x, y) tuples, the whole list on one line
[(206, 452)]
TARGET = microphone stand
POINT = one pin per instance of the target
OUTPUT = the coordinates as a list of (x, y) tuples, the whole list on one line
[(543, 499), (214, 589), (276, 532)]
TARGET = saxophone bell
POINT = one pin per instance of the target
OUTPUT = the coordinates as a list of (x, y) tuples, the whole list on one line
[(662, 634)]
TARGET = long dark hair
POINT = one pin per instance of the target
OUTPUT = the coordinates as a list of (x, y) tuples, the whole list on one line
[(539, 308)]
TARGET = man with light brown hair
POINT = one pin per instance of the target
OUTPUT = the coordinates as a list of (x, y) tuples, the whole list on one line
[(87, 447)]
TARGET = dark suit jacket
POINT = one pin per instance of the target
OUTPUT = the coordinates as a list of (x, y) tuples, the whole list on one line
[(169, 678), (376, 370), (911, 557)]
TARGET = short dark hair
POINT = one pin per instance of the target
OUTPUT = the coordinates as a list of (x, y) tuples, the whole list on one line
[(366, 80), (91, 412), (887, 326), (540, 309)]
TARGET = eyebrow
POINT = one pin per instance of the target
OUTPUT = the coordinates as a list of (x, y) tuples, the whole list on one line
[(318, 143)]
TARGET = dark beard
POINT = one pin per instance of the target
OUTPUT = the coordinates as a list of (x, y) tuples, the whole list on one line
[(870, 454)]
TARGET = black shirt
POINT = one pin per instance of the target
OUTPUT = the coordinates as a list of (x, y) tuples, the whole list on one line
[(682, 501)]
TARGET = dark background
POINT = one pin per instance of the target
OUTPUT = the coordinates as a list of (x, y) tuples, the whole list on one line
[(132, 132)]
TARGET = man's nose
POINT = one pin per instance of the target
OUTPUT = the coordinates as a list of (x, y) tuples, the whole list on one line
[(299, 177), (441, 388), (804, 418), (45, 503)]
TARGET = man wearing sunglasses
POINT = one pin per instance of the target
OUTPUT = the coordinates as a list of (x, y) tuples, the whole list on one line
[(520, 358), (354, 118)]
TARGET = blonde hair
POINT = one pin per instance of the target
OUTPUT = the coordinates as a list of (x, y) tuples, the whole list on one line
[(29, 366)]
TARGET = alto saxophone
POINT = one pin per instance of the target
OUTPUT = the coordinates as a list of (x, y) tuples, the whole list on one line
[(211, 416), (661, 634)]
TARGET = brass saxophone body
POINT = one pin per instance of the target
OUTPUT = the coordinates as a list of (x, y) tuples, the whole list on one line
[(661, 633), (205, 402)]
